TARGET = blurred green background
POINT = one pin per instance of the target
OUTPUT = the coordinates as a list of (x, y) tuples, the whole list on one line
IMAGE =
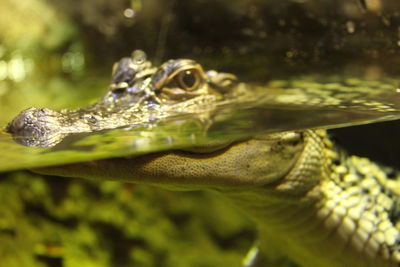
[(58, 54)]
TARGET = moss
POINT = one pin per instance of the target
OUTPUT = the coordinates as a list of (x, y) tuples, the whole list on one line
[(51, 221)]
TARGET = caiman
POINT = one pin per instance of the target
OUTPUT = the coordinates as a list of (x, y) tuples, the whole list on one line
[(312, 202)]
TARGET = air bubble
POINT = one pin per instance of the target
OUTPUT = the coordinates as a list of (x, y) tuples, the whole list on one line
[(129, 13), (350, 26)]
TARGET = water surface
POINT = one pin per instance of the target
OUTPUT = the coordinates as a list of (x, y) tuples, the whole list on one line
[(280, 105)]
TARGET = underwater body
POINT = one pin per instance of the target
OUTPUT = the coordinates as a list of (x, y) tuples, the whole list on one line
[(375, 90)]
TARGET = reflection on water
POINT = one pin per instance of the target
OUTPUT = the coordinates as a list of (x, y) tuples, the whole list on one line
[(273, 43), (259, 41), (281, 105)]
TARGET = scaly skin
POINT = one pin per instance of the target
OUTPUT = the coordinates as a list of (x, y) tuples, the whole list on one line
[(312, 203), (138, 95), (330, 210)]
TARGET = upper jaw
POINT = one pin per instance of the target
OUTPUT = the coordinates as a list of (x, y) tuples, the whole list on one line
[(139, 94)]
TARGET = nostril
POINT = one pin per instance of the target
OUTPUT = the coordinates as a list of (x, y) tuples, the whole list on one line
[(16, 125), (30, 122), (36, 127)]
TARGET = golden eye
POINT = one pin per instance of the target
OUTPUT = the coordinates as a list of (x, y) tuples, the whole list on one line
[(188, 79)]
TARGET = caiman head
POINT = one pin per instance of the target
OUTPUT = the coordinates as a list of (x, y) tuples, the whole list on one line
[(139, 94)]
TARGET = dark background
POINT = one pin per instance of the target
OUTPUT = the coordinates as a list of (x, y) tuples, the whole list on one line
[(259, 41)]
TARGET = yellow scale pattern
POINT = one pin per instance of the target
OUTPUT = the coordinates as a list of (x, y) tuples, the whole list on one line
[(360, 204)]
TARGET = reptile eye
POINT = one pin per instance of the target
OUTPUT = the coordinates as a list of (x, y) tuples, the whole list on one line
[(188, 79)]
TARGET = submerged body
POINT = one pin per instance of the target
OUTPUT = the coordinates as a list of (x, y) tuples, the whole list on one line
[(314, 204)]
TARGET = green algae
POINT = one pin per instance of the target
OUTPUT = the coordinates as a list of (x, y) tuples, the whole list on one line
[(61, 222)]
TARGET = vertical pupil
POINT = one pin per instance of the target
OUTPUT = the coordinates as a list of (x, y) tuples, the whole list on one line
[(188, 79)]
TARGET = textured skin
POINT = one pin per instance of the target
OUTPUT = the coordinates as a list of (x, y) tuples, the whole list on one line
[(347, 217), (138, 95), (316, 205)]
